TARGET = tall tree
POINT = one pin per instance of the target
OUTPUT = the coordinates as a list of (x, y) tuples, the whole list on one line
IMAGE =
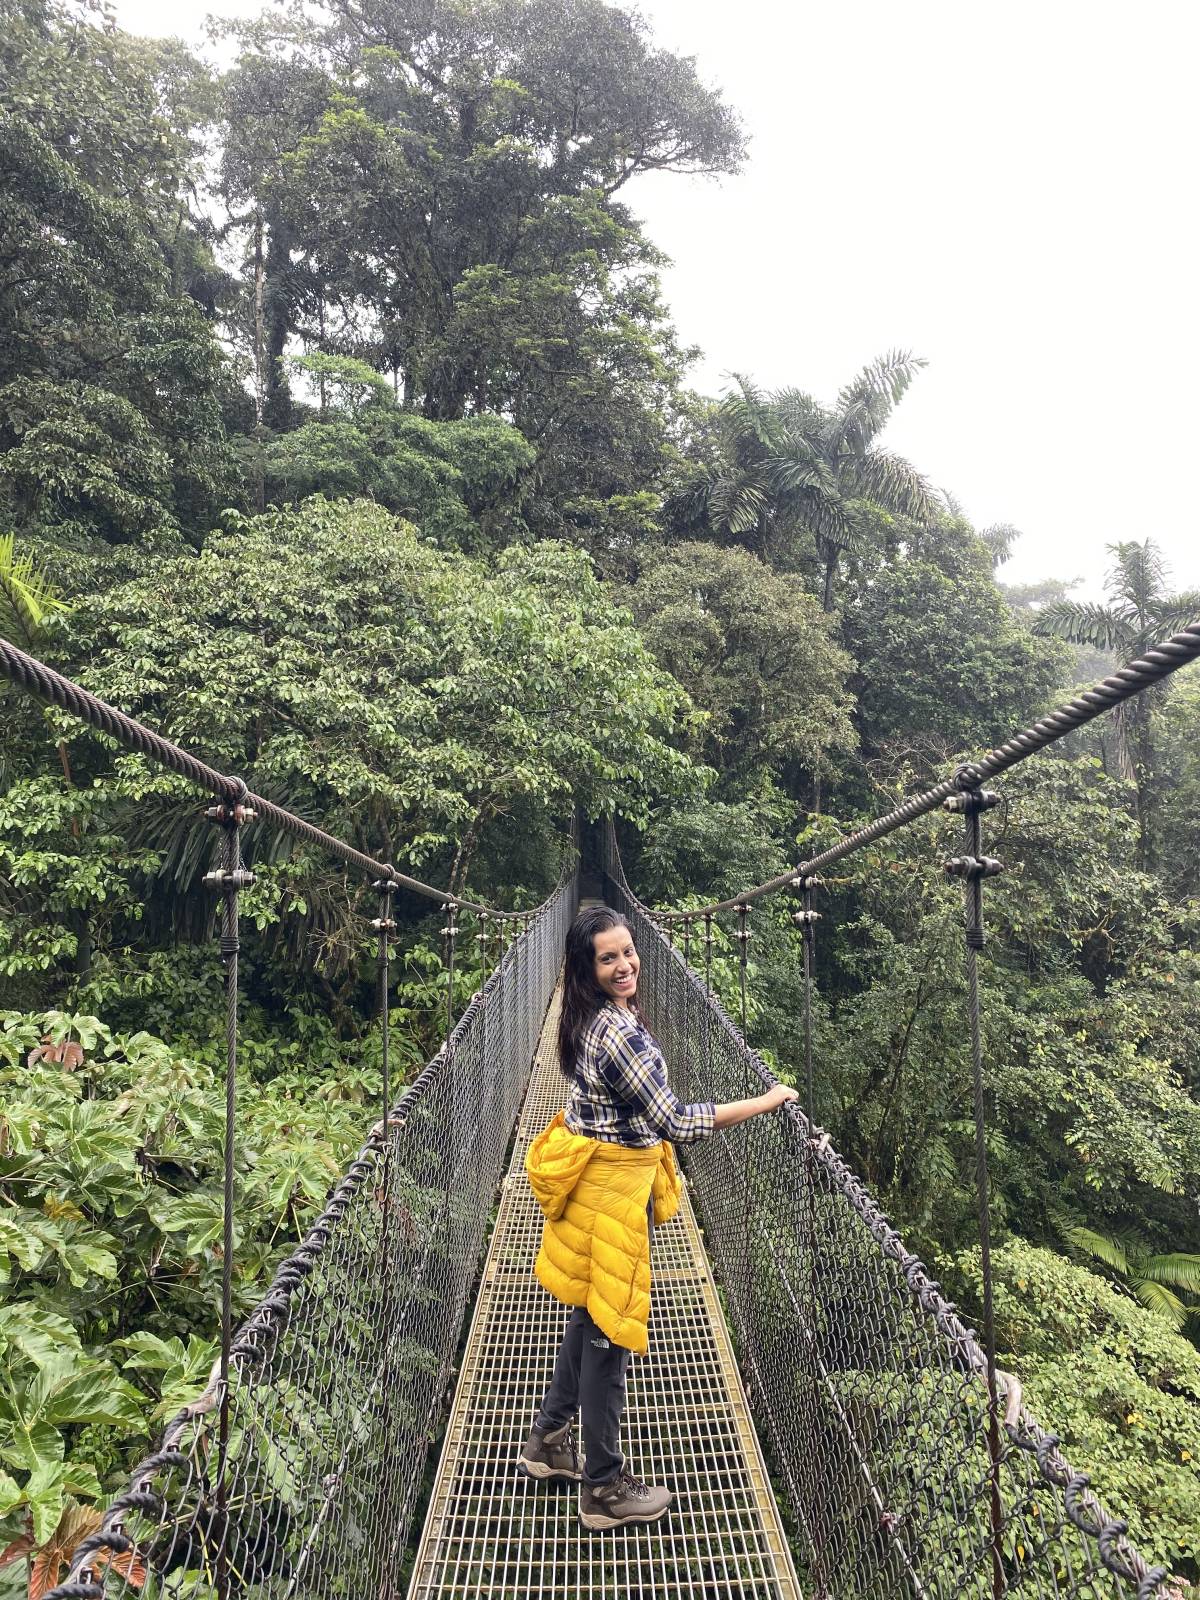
[(446, 180), (111, 378), (943, 663), (1141, 613), (786, 468), (755, 653)]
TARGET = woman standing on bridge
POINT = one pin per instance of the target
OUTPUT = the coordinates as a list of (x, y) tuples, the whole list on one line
[(604, 1173)]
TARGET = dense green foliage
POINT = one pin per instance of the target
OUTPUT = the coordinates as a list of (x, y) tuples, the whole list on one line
[(344, 439), (111, 382)]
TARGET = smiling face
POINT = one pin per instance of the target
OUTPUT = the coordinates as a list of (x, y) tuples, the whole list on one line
[(616, 964)]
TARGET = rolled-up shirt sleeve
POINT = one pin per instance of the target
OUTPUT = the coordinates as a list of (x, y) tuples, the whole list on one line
[(633, 1071)]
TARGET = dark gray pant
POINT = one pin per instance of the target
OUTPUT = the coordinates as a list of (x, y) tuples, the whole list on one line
[(589, 1377)]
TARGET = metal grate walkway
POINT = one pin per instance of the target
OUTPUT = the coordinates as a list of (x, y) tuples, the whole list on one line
[(493, 1534)]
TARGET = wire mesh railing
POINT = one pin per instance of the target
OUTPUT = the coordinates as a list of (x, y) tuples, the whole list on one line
[(870, 1390), (336, 1380)]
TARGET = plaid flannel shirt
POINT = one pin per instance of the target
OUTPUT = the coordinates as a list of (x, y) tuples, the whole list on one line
[(621, 1094)]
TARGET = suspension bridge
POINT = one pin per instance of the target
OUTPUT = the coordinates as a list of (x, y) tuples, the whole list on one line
[(831, 1426)]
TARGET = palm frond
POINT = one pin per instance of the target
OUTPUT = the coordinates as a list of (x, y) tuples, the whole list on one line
[(1081, 623), (788, 476), (27, 597), (1179, 1268), (854, 429), (828, 518), (1177, 612), (688, 506), (1155, 1298), (885, 379), (735, 504), (1137, 579), (891, 482), (1000, 538), (796, 465), (1101, 1246), (746, 416), (799, 414)]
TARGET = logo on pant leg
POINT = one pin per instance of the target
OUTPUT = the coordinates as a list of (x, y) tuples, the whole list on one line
[(600, 1344)]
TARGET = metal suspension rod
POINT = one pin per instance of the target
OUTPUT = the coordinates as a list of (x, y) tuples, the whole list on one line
[(973, 867), (450, 934), (385, 927), (229, 880), (742, 935), (807, 917)]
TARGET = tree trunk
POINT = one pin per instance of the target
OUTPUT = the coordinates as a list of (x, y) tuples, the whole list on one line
[(260, 497), (1143, 778), (321, 347), (466, 849), (80, 922), (277, 313)]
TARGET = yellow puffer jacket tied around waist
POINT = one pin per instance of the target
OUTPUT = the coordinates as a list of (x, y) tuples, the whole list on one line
[(595, 1244)]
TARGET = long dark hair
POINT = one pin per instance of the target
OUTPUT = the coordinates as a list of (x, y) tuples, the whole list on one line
[(582, 995)]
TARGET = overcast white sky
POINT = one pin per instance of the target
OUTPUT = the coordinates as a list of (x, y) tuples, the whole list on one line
[(1009, 191)]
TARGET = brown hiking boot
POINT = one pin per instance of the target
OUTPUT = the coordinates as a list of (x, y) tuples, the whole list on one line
[(624, 1499), (553, 1454)]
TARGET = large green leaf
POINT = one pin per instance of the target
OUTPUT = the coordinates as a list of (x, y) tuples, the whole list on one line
[(21, 1242), (200, 1215), (69, 1392), (39, 1335), (36, 1242), (29, 1444), (184, 1371)]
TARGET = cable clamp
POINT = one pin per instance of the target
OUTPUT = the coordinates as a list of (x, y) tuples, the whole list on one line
[(383, 924), (230, 814), (972, 867), (806, 918), (808, 882), (222, 879), (971, 801)]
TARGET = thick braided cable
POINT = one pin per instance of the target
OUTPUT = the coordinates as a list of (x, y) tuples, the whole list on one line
[(37, 678), (1149, 669)]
